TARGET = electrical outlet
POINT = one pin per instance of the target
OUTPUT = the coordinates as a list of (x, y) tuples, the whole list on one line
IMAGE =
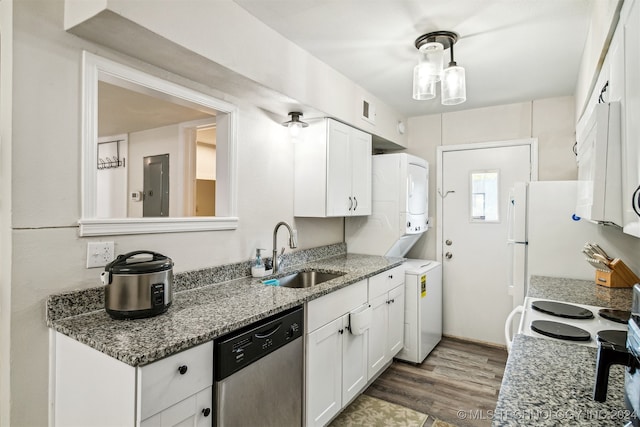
[(99, 254)]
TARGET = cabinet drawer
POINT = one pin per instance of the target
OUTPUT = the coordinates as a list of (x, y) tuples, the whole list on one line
[(162, 384), (385, 281), (331, 306)]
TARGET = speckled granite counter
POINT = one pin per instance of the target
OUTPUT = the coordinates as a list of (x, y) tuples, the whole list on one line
[(549, 382), (579, 292), (203, 313)]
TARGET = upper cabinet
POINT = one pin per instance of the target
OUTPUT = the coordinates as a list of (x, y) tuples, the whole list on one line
[(630, 26), (332, 171)]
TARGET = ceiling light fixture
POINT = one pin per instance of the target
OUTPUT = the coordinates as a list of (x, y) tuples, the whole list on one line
[(430, 69), (295, 124)]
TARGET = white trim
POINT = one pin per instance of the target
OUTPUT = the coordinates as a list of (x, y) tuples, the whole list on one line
[(96, 68), (116, 226), (441, 149)]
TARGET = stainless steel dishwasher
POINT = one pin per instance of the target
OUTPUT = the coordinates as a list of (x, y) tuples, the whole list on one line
[(258, 373)]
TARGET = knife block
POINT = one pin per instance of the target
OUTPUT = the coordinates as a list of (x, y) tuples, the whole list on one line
[(620, 276)]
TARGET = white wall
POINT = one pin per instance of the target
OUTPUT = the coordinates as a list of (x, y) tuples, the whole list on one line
[(46, 254), (550, 120)]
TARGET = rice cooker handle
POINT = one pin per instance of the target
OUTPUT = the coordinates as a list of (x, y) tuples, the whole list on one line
[(124, 257)]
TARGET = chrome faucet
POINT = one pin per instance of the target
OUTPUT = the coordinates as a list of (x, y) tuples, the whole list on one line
[(292, 244)]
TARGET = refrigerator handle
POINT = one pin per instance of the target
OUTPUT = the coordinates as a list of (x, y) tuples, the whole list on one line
[(510, 217)]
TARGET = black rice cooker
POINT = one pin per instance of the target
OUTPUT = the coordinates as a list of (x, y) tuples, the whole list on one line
[(138, 284)]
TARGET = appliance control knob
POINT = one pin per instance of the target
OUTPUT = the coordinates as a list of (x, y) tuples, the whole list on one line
[(182, 369), (206, 412)]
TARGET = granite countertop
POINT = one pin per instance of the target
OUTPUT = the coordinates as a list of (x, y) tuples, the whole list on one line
[(579, 292), (549, 382), (201, 314)]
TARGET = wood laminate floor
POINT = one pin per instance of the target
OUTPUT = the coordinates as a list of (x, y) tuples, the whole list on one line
[(458, 383)]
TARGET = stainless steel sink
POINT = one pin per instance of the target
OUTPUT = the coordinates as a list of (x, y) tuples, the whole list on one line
[(306, 279)]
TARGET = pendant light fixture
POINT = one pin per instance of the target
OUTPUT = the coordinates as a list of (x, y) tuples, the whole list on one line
[(295, 124), (430, 69)]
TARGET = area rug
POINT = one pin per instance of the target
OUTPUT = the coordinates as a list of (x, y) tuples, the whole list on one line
[(369, 411)]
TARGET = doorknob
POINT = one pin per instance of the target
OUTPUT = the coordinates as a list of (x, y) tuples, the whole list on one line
[(448, 255), (448, 242)]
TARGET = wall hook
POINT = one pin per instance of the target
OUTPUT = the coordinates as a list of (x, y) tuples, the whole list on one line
[(445, 194)]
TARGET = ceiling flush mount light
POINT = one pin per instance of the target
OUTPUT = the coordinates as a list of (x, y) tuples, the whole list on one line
[(430, 69), (295, 124)]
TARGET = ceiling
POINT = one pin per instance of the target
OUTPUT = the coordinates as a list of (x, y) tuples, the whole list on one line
[(122, 110), (512, 50)]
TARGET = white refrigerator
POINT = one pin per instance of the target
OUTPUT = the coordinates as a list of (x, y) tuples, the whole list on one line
[(545, 236)]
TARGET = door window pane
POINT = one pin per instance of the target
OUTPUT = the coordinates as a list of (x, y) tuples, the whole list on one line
[(484, 196)]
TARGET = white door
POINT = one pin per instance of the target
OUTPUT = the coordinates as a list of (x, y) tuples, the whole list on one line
[(360, 150), (377, 355), (395, 337), (474, 190), (324, 373), (354, 362), (338, 169)]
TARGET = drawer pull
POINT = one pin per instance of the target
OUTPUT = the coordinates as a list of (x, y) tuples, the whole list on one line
[(182, 369), (206, 412), (391, 276)]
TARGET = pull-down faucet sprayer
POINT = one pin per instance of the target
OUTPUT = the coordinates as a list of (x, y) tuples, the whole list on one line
[(292, 244)]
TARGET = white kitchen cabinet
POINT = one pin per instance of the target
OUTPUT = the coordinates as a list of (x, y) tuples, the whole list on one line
[(332, 171), (335, 368), (630, 25), (172, 391), (193, 411), (386, 333)]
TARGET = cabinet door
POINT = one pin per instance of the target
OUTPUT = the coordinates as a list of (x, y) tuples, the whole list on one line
[(194, 411), (631, 135), (395, 337), (354, 362), (377, 335), (361, 172), (324, 373), (339, 200)]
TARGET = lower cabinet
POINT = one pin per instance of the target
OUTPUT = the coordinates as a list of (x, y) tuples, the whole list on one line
[(174, 391), (336, 359), (194, 411), (386, 332)]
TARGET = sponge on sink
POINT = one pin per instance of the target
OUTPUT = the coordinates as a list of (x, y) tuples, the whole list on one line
[(272, 282)]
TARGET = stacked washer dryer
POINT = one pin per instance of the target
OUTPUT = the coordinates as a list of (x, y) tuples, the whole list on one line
[(399, 218)]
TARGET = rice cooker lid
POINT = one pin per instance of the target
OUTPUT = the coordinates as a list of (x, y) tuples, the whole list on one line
[(132, 263)]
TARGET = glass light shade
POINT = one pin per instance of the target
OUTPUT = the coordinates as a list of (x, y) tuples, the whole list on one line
[(294, 129), (454, 89), (423, 87), (432, 60)]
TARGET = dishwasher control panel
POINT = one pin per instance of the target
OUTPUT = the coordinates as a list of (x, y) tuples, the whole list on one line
[(240, 348)]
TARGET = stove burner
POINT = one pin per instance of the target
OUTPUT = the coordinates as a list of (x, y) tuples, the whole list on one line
[(619, 316), (560, 309), (613, 336), (560, 330)]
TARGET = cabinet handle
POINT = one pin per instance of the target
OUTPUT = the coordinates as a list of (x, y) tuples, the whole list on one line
[(182, 369), (356, 200), (350, 203), (635, 201), (341, 331), (391, 276), (206, 412)]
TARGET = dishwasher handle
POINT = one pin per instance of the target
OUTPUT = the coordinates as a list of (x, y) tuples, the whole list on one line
[(271, 331)]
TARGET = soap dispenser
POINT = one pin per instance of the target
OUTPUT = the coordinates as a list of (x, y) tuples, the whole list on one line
[(257, 268)]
